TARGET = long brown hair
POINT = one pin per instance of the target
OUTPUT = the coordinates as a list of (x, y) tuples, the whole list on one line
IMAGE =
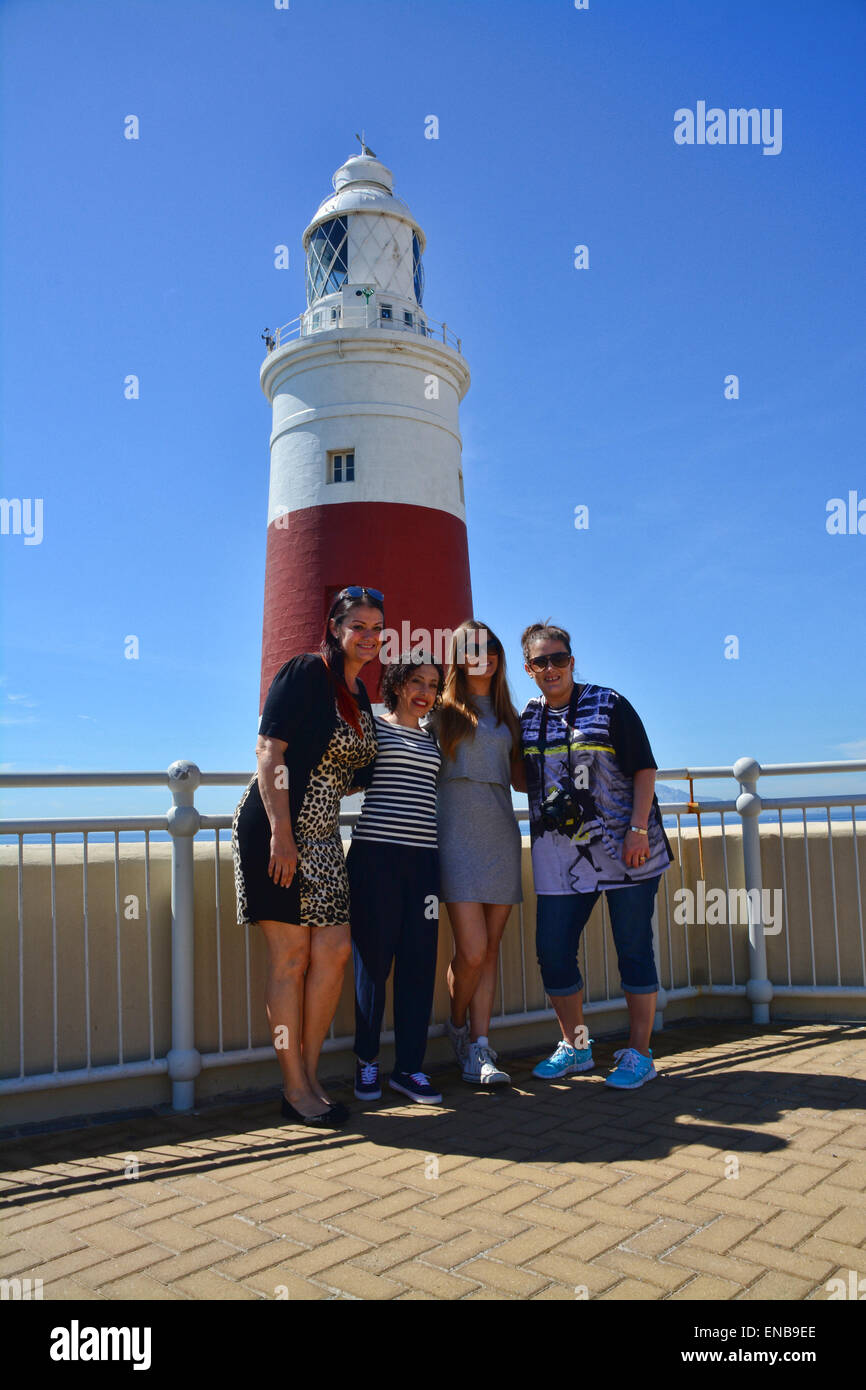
[(331, 653), (458, 716)]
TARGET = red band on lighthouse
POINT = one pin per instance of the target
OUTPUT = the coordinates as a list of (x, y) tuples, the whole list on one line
[(416, 556)]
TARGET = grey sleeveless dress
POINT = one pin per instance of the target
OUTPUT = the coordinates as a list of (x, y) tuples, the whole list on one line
[(479, 839)]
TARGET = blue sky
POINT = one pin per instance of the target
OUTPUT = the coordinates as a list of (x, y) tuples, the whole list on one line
[(602, 387)]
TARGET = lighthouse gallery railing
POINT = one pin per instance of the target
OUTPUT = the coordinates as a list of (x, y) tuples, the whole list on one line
[(810, 841), (326, 320)]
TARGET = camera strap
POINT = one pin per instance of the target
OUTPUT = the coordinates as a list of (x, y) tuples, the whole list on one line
[(570, 717)]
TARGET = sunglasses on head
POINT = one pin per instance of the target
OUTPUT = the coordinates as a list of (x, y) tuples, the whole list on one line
[(357, 591), (540, 663)]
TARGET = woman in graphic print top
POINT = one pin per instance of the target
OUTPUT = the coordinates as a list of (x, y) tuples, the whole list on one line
[(595, 827)]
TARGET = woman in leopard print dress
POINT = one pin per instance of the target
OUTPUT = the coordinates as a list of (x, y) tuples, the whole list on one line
[(316, 730)]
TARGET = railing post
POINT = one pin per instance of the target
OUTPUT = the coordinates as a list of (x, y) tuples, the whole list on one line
[(184, 1059), (759, 990), (662, 996)]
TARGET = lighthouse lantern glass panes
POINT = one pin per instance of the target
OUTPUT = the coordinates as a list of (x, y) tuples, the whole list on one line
[(417, 269), (327, 264)]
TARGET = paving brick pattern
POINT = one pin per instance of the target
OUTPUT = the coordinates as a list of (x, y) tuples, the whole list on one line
[(739, 1174)]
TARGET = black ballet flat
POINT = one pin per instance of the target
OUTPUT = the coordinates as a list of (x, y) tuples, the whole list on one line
[(338, 1113), (289, 1112)]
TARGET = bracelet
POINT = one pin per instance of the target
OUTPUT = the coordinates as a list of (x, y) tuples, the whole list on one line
[(639, 830)]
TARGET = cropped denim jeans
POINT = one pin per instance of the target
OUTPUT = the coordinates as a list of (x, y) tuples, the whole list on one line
[(561, 918)]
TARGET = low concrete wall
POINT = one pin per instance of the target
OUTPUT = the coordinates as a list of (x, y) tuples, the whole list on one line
[(118, 956)]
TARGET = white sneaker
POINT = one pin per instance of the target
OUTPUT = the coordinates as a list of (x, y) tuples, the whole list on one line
[(459, 1040), (480, 1067)]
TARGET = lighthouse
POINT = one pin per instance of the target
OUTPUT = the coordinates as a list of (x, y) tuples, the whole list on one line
[(366, 482)]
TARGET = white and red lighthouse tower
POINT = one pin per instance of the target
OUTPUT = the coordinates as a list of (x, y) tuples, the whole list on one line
[(366, 484)]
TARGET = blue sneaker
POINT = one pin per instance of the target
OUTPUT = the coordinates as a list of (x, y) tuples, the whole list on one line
[(631, 1071), (367, 1080), (565, 1060), (416, 1087)]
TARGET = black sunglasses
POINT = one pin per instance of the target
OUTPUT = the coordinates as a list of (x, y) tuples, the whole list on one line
[(478, 637), (489, 646), (540, 663)]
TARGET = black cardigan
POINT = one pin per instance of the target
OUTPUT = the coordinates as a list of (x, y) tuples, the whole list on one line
[(301, 711)]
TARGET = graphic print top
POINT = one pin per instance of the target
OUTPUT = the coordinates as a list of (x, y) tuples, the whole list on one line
[(608, 746)]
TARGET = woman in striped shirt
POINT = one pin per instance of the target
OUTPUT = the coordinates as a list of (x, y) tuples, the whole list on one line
[(393, 866)]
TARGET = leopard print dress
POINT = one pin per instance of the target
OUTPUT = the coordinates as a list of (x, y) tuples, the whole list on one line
[(319, 893)]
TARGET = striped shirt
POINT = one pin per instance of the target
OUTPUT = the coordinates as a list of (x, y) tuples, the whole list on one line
[(400, 803)]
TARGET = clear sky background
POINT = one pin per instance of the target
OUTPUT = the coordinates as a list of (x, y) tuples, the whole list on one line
[(602, 387)]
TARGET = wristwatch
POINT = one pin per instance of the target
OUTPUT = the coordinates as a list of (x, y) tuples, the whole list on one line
[(639, 830)]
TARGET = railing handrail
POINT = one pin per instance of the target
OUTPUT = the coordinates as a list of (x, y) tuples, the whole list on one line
[(684, 774), (69, 825), (240, 779)]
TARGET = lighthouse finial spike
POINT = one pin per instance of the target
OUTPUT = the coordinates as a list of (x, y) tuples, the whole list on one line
[(365, 148)]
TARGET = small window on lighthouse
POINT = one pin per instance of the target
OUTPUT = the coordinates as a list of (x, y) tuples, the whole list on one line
[(341, 468), (387, 311)]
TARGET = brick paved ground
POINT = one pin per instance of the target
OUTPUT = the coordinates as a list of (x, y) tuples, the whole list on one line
[(531, 1193)]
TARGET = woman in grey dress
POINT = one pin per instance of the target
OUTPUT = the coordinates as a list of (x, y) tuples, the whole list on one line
[(479, 841)]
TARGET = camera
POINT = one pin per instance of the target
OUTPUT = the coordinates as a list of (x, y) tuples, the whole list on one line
[(560, 811)]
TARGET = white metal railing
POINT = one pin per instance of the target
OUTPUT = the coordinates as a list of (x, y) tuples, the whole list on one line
[(182, 822), (325, 320)]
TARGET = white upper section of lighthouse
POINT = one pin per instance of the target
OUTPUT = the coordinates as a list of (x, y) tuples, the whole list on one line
[(365, 387), (364, 241)]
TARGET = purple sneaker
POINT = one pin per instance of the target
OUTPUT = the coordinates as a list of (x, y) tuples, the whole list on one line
[(416, 1087), (367, 1080)]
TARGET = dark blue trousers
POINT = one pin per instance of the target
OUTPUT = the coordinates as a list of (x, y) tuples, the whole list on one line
[(394, 894)]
